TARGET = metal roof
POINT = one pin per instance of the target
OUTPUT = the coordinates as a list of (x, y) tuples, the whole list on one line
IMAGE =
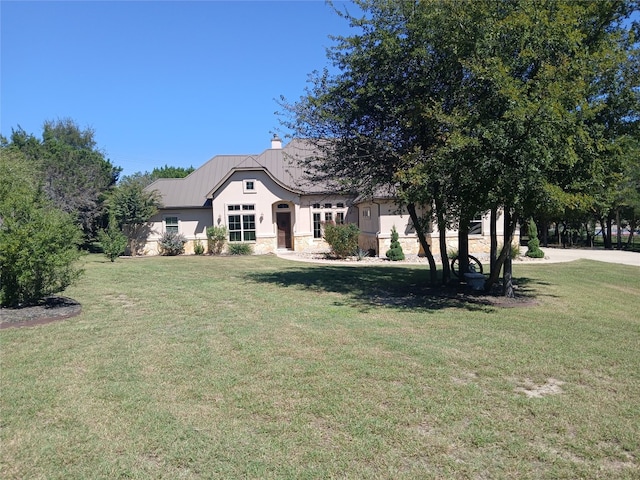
[(279, 163)]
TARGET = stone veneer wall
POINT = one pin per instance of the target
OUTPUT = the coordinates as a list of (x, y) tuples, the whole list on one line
[(366, 241), (410, 245), (306, 243)]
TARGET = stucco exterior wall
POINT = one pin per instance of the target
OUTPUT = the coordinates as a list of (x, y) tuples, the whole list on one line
[(192, 223), (267, 197), (376, 220)]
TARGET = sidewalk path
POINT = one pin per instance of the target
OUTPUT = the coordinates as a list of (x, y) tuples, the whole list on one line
[(551, 255), (555, 255)]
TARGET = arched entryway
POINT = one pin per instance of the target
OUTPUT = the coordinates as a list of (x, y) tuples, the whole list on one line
[(284, 225)]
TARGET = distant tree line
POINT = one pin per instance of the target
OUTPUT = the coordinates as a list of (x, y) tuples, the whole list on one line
[(60, 194)]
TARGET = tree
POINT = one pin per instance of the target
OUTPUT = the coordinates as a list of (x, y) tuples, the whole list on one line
[(533, 246), (74, 173), (170, 172), (147, 178), (131, 207), (38, 243), (395, 252), (464, 107), (113, 241)]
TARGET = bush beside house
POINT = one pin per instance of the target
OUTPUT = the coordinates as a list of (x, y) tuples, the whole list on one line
[(342, 239)]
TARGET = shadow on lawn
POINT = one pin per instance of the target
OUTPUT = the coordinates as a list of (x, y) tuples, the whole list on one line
[(392, 287)]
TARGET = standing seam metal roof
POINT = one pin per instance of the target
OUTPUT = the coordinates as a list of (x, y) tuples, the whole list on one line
[(192, 190)]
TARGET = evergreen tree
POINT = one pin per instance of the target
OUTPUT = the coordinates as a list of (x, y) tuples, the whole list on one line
[(533, 245), (395, 252)]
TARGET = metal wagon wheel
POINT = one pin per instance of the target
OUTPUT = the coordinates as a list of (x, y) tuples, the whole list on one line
[(475, 266)]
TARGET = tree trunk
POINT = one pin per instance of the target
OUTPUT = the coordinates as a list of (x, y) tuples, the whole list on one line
[(618, 230), (608, 243), (545, 233), (433, 272), (510, 226), (442, 237), (632, 228), (446, 269), (507, 280), (463, 248), (493, 255)]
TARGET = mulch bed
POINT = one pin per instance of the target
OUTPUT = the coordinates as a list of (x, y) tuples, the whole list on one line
[(51, 309)]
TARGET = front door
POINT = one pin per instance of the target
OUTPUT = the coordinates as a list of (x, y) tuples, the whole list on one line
[(284, 229)]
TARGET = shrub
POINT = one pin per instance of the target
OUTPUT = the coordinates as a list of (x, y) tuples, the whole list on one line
[(395, 253), (342, 238), (172, 243), (38, 243), (240, 249), (362, 254), (113, 241), (533, 246), (198, 248), (216, 238)]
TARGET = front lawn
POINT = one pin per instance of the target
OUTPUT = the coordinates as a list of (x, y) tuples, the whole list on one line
[(256, 367)]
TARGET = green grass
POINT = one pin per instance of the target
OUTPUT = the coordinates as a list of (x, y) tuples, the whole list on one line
[(255, 367)]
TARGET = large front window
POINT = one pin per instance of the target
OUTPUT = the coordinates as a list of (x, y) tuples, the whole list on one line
[(242, 227)]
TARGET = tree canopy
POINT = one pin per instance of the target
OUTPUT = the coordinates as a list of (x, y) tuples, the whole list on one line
[(75, 175), (38, 242), (467, 106)]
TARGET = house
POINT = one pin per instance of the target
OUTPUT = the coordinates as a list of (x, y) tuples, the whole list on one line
[(263, 199)]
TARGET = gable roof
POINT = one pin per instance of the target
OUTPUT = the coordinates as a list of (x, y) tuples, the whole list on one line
[(194, 189)]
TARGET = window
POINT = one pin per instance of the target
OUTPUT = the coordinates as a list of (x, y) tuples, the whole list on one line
[(366, 212), (339, 205), (283, 205), (249, 228), (327, 205), (317, 228), (171, 224), (242, 227), (316, 206), (235, 228), (475, 227), (340, 218), (328, 217), (249, 186)]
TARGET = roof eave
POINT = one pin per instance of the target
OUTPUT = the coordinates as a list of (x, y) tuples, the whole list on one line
[(217, 187)]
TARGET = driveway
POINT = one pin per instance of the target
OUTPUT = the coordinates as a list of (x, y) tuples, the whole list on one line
[(555, 255)]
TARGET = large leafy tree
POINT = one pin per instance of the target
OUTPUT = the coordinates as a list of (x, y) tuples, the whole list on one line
[(38, 242), (468, 105), (75, 174), (130, 207)]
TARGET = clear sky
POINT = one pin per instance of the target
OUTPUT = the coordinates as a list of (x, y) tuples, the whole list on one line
[(161, 82)]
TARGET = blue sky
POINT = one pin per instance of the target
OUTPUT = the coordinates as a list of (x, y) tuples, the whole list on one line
[(161, 82)]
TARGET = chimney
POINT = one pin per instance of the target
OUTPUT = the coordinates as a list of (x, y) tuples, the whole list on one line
[(276, 143)]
